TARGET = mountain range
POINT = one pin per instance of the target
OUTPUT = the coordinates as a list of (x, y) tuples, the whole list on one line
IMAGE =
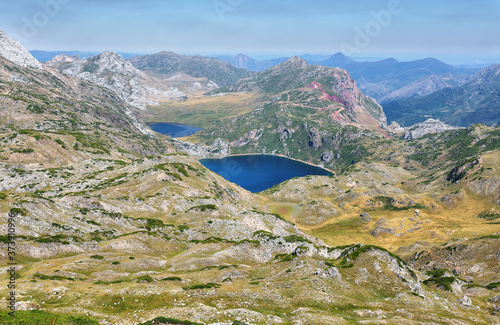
[(166, 64), (476, 101), (383, 80), (110, 70), (115, 224)]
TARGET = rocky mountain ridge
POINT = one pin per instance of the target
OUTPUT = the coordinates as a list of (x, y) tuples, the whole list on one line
[(110, 70), (384, 80), (166, 64), (334, 85), (13, 51), (419, 88), (115, 224)]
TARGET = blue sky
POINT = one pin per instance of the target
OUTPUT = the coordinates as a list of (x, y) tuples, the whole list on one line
[(447, 29)]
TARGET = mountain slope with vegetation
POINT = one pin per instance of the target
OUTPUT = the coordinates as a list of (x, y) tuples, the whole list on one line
[(114, 225), (474, 102), (386, 78), (307, 112), (169, 64)]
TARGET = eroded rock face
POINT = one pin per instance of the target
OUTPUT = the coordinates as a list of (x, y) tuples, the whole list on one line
[(13, 51), (219, 148), (430, 126), (327, 156), (315, 138), (247, 137), (111, 71), (465, 301)]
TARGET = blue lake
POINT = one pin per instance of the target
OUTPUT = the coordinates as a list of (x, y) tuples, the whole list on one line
[(174, 130), (260, 172)]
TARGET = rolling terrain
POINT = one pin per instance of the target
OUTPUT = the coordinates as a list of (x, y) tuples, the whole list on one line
[(114, 224)]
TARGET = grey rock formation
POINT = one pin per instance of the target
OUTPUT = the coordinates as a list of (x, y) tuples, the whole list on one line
[(395, 127), (465, 301), (327, 156), (315, 138), (366, 217), (13, 51), (111, 71), (247, 137), (430, 126), (218, 149)]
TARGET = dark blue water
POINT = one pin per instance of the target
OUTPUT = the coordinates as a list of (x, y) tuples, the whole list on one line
[(174, 130), (260, 172)]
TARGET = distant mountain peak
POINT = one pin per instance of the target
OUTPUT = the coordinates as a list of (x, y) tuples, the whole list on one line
[(340, 58), (109, 54), (241, 55), (489, 73), (13, 51), (294, 61), (169, 64)]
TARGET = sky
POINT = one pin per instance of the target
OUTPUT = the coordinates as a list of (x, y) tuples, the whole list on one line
[(457, 31)]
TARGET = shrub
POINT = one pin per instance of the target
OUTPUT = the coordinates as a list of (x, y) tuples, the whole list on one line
[(145, 278), (97, 257), (171, 278), (168, 321), (203, 207), (202, 286)]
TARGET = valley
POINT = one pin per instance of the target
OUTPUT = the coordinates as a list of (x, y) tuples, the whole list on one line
[(118, 224)]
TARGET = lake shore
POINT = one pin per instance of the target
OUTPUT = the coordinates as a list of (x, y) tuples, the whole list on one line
[(271, 154)]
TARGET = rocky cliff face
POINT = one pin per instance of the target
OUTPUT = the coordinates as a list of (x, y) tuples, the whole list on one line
[(110, 70), (430, 126), (13, 51)]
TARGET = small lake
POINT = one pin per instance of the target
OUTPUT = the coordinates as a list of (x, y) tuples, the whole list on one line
[(174, 130), (260, 172)]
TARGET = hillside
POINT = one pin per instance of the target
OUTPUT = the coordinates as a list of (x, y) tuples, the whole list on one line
[(384, 80), (390, 78), (307, 112), (115, 226), (167, 64), (12, 50), (111, 71), (474, 102)]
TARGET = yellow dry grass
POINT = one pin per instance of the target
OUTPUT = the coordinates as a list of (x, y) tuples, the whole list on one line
[(202, 110)]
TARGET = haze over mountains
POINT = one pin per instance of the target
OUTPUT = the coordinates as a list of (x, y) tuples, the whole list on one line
[(411, 92), (116, 224), (476, 101), (385, 80)]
